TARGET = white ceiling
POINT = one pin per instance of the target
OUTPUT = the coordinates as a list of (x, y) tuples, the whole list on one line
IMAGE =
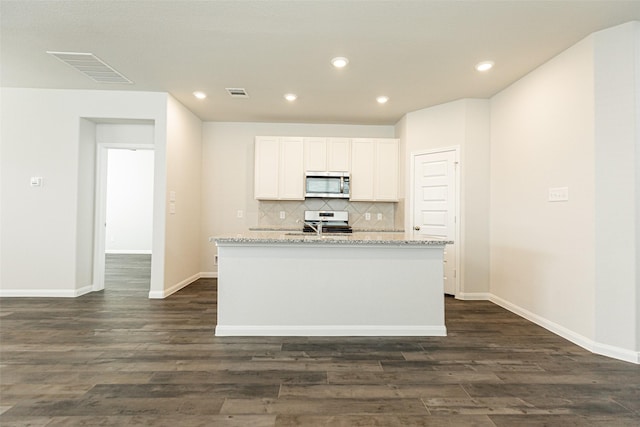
[(419, 53)]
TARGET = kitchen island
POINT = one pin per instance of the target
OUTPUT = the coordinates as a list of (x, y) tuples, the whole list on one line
[(360, 284)]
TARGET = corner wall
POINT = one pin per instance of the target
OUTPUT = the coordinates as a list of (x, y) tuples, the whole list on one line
[(44, 229), (571, 266), (463, 124), (543, 253), (617, 142), (183, 199)]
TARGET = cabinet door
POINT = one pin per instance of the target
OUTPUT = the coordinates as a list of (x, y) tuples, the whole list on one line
[(315, 154), (362, 169), (386, 188), (267, 168), (338, 154), (291, 169)]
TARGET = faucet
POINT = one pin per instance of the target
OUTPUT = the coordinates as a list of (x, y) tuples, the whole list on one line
[(317, 229)]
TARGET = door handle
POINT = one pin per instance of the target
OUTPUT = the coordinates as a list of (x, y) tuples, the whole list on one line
[(417, 228)]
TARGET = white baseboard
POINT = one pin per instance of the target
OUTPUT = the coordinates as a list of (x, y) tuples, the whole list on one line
[(175, 288), (209, 275), (473, 296), (330, 330), (616, 353), (45, 293), (128, 251), (73, 293), (582, 341)]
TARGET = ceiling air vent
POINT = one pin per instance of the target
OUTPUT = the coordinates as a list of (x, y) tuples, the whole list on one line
[(237, 92), (91, 66)]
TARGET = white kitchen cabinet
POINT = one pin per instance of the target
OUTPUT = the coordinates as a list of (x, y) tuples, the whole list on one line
[(279, 173), (386, 171), (374, 169), (315, 154), (338, 154), (327, 154), (362, 169)]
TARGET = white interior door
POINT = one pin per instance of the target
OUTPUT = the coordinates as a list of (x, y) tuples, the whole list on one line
[(435, 201)]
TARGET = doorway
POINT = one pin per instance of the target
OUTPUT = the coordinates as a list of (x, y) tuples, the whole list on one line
[(124, 216), (129, 219), (435, 203)]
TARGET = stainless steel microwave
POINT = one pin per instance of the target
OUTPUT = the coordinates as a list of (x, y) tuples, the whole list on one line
[(327, 184)]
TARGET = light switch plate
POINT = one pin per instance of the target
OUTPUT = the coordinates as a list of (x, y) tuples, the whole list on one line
[(283, 214), (367, 216), (559, 194), (36, 181)]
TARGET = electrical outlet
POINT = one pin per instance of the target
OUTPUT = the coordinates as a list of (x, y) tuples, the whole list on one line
[(379, 217), (367, 216), (283, 214), (239, 214)]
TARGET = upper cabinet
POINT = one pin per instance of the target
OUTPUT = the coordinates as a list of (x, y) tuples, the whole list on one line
[(281, 162), (374, 169), (327, 154), (279, 173)]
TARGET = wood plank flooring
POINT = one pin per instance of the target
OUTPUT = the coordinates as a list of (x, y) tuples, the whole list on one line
[(116, 358)]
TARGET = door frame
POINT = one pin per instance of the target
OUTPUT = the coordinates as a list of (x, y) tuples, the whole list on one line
[(457, 219), (100, 215)]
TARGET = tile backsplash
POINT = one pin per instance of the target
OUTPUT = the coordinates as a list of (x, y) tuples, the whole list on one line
[(269, 213)]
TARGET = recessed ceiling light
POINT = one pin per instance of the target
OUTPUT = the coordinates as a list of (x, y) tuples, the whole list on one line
[(199, 95), (290, 96), (339, 62), (382, 99), (484, 65)]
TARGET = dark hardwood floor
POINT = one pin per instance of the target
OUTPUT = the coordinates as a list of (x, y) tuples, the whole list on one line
[(116, 358)]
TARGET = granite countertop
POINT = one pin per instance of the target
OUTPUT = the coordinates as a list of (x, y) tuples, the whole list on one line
[(355, 238), (298, 229)]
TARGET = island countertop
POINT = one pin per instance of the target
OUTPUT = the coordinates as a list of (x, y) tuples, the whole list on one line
[(349, 239)]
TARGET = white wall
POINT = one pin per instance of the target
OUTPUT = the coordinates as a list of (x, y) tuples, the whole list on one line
[(184, 178), (542, 253), (45, 236), (227, 178), (463, 124), (571, 266), (617, 142), (637, 207), (85, 238), (129, 228)]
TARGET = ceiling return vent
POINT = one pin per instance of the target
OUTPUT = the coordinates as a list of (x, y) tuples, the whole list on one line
[(237, 92), (91, 66)]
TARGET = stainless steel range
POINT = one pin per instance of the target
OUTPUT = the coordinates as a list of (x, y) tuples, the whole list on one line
[(331, 221)]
